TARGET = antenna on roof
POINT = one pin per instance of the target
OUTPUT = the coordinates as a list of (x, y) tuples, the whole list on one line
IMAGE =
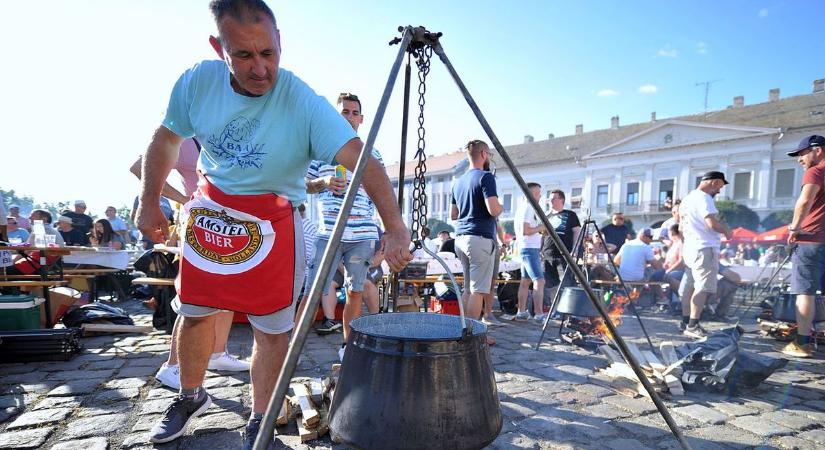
[(707, 90)]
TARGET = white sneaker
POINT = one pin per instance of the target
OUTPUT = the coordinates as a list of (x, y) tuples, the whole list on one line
[(540, 318), (169, 376), (492, 321), (523, 315), (228, 363)]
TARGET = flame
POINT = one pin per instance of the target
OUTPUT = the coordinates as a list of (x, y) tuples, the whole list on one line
[(615, 310)]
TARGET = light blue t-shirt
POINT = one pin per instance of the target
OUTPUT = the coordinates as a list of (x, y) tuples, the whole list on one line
[(635, 256), (361, 223), (255, 145)]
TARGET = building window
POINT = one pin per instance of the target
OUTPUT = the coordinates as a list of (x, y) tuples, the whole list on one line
[(698, 180), (601, 196), (742, 186), (576, 197), (784, 183), (508, 200), (633, 193), (666, 192)]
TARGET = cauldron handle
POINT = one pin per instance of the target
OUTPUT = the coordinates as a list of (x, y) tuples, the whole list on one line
[(466, 329)]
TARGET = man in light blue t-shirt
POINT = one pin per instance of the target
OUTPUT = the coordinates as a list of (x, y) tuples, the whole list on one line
[(260, 126)]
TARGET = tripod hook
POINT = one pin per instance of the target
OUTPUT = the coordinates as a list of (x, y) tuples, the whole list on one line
[(420, 38)]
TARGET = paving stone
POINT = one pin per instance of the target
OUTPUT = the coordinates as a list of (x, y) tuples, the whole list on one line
[(156, 406), (727, 435), (98, 443), (157, 393), (516, 410), (538, 397), (605, 411), (211, 423), (10, 369), (634, 405), (544, 427), (702, 414), (20, 378), (575, 370), (817, 415), (75, 387), (125, 383), (226, 393), (147, 361), (514, 441), (219, 440), (111, 396), (575, 397), (793, 421), (642, 426), (25, 439), (816, 436), (103, 409), (145, 423), (761, 426), (552, 387), (141, 440), (74, 364), (794, 443), (513, 387), (107, 364), (94, 426), (222, 382), (593, 390), (734, 409), (161, 348), (625, 444), (41, 417), (58, 402), (71, 375), (137, 371)]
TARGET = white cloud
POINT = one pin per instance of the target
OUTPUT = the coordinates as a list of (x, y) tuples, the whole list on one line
[(667, 52), (607, 93), (702, 48), (648, 89), (762, 13)]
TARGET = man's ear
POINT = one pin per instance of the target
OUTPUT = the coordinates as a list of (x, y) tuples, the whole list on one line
[(216, 45)]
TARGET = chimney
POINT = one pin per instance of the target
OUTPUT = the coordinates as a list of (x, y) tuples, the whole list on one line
[(773, 95), (528, 139), (551, 136), (819, 85), (653, 116), (579, 130), (739, 101), (614, 122)]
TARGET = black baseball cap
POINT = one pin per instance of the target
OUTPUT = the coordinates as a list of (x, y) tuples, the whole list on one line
[(810, 141), (714, 175)]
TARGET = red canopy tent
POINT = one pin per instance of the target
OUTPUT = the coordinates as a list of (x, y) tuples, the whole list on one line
[(741, 235), (776, 236)]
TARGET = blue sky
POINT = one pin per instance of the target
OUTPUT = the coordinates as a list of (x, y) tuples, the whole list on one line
[(85, 83)]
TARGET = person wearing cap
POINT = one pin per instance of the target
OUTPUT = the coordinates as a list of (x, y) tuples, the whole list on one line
[(22, 222), (807, 232), (80, 220), (635, 255), (71, 235), (701, 231)]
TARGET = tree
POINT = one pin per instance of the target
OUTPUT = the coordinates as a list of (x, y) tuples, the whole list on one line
[(776, 219), (735, 215), (436, 226), (26, 203)]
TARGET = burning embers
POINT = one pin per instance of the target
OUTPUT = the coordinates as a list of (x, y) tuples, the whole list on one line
[(587, 331)]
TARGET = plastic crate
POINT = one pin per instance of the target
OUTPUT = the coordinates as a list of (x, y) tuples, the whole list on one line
[(414, 270), (445, 307), (19, 312)]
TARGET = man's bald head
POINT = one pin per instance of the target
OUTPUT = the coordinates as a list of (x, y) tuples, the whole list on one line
[(244, 11)]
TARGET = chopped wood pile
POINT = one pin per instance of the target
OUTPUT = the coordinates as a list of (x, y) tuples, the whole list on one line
[(663, 374), (309, 405)]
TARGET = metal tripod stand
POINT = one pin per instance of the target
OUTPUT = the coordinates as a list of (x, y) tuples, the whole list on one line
[(756, 298), (412, 40), (578, 250)]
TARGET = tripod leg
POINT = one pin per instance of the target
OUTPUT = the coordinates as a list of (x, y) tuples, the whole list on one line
[(620, 343)]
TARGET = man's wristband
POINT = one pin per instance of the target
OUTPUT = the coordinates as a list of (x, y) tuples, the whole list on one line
[(792, 229)]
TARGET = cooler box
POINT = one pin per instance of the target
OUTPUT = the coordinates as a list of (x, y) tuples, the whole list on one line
[(19, 312)]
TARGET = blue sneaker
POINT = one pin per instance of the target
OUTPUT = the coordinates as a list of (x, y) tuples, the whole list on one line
[(177, 416), (251, 433)]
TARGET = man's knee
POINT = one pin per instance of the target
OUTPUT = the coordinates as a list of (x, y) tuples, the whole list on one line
[(196, 322), (266, 340)]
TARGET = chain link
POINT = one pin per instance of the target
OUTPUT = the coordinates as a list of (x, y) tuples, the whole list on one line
[(419, 207)]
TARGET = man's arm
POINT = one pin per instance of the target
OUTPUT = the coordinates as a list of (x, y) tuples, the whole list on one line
[(453, 212), (335, 184), (396, 236), (714, 224), (158, 161), (493, 206), (168, 191), (802, 208)]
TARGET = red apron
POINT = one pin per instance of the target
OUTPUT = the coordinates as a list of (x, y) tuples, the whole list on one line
[(238, 251)]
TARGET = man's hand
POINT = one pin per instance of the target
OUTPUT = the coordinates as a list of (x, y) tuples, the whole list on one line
[(336, 185), (728, 233), (396, 248), (794, 234), (152, 223)]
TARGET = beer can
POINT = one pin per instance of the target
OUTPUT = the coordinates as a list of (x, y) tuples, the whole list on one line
[(341, 172)]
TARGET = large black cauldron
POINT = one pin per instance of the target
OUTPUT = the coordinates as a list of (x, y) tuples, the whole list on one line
[(784, 308), (411, 381)]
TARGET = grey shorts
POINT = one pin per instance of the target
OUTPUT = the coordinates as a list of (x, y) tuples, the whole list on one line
[(476, 254), (276, 323), (356, 256), (701, 272)]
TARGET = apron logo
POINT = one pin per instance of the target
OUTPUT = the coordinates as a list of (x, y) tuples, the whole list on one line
[(222, 239)]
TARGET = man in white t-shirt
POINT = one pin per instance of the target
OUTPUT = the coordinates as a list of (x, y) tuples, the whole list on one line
[(528, 236), (701, 230), (634, 256)]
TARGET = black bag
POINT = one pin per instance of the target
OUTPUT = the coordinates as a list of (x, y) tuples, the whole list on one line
[(93, 313), (157, 264)]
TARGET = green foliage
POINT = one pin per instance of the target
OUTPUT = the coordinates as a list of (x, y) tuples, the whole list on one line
[(776, 219), (436, 226), (735, 215), (508, 227), (10, 197), (125, 213)]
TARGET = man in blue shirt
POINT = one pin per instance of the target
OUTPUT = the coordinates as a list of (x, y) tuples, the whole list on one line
[(616, 231), (260, 126), (475, 206)]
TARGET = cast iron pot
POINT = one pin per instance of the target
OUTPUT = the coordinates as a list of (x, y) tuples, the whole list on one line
[(574, 301), (412, 381), (784, 308)]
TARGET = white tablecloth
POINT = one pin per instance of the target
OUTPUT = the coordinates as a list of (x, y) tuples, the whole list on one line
[(435, 268), (116, 259), (752, 274)]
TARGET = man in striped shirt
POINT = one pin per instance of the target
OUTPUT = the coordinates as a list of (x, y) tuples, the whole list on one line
[(360, 235)]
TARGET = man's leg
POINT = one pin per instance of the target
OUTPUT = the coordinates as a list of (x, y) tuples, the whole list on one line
[(370, 296), (356, 257), (352, 310), (173, 344), (223, 325), (268, 354), (804, 314), (474, 305), (523, 291), (195, 342), (538, 297)]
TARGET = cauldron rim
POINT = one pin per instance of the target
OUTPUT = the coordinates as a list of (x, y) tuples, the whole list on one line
[(479, 329)]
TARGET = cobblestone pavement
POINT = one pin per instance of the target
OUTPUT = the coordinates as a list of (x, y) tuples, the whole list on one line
[(107, 397)]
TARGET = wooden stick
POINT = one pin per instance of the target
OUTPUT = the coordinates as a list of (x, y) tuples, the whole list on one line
[(308, 411), (112, 328)]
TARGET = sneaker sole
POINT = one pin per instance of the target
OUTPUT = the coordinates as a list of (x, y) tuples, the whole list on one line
[(225, 369), (180, 433)]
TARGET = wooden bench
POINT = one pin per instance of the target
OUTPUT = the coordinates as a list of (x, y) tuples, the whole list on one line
[(163, 290), (37, 284)]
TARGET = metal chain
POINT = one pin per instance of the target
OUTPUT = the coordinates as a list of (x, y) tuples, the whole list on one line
[(419, 207)]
